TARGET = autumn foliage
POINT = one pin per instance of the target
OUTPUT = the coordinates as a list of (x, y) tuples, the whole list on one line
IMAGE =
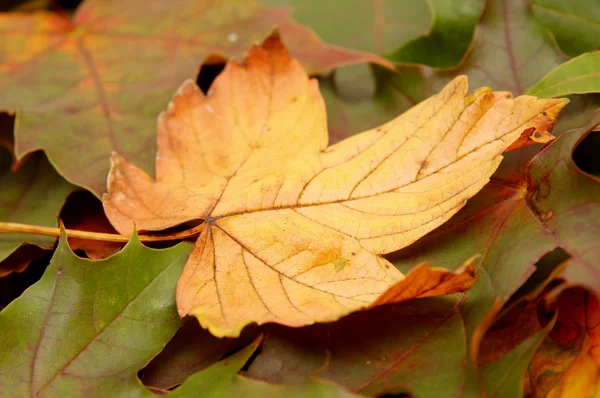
[(235, 219)]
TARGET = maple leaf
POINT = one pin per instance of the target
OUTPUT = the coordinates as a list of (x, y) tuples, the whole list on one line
[(293, 228), (106, 72)]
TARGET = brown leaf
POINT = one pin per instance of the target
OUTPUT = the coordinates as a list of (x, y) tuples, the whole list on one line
[(189, 351), (18, 260), (83, 211), (294, 229)]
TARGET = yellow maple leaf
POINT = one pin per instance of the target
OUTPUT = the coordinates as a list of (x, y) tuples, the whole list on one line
[(293, 229)]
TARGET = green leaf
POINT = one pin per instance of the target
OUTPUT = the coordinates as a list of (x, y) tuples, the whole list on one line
[(418, 348), (32, 195), (374, 26), (580, 75), (192, 349), (450, 37), (96, 83), (504, 378), (567, 199), (222, 380), (87, 327), (574, 23), (510, 52)]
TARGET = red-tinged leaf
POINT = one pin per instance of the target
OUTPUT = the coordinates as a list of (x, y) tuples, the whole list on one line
[(568, 362), (505, 377), (514, 225), (567, 203), (96, 83), (510, 51), (418, 348)]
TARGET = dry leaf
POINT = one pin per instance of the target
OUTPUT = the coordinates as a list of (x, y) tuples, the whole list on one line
[(294, 229)]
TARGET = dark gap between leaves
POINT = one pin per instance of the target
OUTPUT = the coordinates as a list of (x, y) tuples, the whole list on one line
[(7, 138), (13, 285), (68, 5), (544, 269), (586, 156), (208, 73), (399, 395)]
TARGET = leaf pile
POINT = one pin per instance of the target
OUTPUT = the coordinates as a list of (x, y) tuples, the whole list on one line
[(390, 228)]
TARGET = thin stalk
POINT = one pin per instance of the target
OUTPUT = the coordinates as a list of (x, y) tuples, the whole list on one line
[(11, 227)]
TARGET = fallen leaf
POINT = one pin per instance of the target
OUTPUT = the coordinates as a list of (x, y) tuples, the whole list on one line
[(373, 26), (566, 201), (509, 224), (107, 72), (510, 51), (191, 350), (568, 362), (87, 326), (420, 348), (32, 195), (222, 380), (449, 38), (293, 229), (504, 378), (417, 348), (435, 33), (575, 24)]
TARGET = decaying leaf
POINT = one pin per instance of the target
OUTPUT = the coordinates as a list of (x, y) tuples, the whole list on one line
[(294, 229)]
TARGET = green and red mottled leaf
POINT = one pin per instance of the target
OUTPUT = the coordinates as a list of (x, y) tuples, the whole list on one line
[(510, 51), (417, 348), (523, 336), (374, 26), (93, 84), (514, 224), (567, 202), (567, 364), (222, 380), (435, 33)]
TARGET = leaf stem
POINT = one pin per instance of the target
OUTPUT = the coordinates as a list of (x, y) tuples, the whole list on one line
[(10, 227)]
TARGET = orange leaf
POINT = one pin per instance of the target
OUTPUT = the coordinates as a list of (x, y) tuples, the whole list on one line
[(294, 229), (568, 362)]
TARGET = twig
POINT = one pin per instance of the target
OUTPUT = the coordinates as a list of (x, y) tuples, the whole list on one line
[(10, 227)]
